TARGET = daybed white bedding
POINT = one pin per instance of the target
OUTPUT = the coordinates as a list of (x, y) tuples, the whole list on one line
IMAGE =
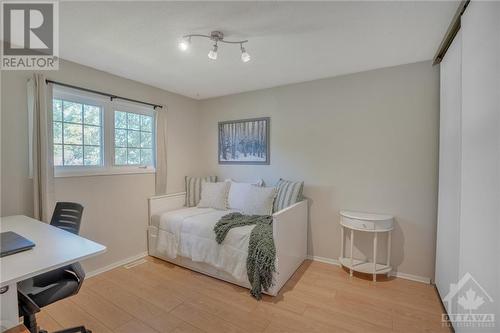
[(188, 232), (185, 237)]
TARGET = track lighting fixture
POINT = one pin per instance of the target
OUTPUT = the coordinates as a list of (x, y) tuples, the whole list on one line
[(217, 37)]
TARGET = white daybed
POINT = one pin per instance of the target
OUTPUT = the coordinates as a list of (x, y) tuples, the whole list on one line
[(184, 236)]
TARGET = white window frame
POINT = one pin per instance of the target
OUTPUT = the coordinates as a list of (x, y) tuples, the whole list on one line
[(107, 136)]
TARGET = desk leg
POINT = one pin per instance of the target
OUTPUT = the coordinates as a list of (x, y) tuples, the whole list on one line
[(10, 314), (375, 256), (352, 258)]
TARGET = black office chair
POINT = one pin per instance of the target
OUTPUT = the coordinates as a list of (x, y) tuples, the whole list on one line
[(50, 287), (67, 216)]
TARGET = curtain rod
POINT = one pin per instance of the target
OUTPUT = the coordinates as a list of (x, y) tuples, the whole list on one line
[(451, 32), (111, 96)]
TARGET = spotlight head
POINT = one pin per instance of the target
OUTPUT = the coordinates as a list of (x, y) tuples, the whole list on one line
[(245, 57), (184, 44), (213, 52)]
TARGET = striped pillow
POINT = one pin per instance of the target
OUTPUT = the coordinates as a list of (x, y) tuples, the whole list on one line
[(193, 189), (288, 193)]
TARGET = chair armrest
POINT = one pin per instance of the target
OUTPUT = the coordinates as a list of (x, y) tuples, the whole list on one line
[(77, 269), (25, 302)]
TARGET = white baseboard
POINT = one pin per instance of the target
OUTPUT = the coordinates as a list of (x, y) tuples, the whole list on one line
[(400, 275), (115, 264), (325, 260), (330, 261), (412, 277)]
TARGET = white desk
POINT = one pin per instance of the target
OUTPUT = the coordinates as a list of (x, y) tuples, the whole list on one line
[(54, 248)]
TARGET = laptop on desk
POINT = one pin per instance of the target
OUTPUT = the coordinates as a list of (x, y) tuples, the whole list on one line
[(13, 243)]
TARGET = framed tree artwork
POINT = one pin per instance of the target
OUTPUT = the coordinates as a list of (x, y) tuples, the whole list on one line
[(244, 141)]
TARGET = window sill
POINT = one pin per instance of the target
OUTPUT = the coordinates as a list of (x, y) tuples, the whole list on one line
[(65, 172)]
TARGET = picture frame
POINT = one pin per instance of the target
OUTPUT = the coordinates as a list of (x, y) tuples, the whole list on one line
[(244, 141)]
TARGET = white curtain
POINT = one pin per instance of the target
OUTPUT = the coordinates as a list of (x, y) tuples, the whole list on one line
[(161, 151), (41, 150)]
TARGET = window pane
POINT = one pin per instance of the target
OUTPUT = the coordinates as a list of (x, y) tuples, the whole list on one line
[(146, 156), (92, 115), (133, 156), (92, 135), (120, 156), (58, 155), (72, 112), (120, 138), (146, 123), (57, 110), (92, 155), (120, 119), (57, 132), (146, 139), (73, 155), (134, 121), (134, 139), (76, 143), (73, 134)]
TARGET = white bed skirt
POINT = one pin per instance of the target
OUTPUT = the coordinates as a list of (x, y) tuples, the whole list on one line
[(200, 267)]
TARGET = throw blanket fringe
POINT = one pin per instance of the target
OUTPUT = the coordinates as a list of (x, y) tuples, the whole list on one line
[(261, 260)]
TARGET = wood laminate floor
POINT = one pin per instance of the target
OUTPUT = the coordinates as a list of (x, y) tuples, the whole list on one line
[(160, 297)]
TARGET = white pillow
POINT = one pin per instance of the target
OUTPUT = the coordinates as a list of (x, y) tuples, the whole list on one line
[(259, 182), (214, 195), (237, 195), (258, 200)]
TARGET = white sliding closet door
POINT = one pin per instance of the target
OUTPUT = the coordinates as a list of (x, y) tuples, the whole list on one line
[(468, 234), (480, 204), (448, 231)]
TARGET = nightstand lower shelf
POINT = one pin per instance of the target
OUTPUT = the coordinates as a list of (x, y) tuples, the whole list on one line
[(364, 266)]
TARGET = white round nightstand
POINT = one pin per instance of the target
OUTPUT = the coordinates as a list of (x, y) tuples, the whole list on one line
[(374, 223)]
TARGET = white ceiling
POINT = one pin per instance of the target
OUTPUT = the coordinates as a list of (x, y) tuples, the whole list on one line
[(289, 41)]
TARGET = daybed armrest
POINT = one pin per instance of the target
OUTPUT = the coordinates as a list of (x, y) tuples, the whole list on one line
[(290, 236), (165, 203)]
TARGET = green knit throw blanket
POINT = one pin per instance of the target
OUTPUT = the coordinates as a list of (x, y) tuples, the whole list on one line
[(261, 251)]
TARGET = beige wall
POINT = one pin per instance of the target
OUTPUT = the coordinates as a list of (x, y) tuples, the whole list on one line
[(115, 206), (366, 141)]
